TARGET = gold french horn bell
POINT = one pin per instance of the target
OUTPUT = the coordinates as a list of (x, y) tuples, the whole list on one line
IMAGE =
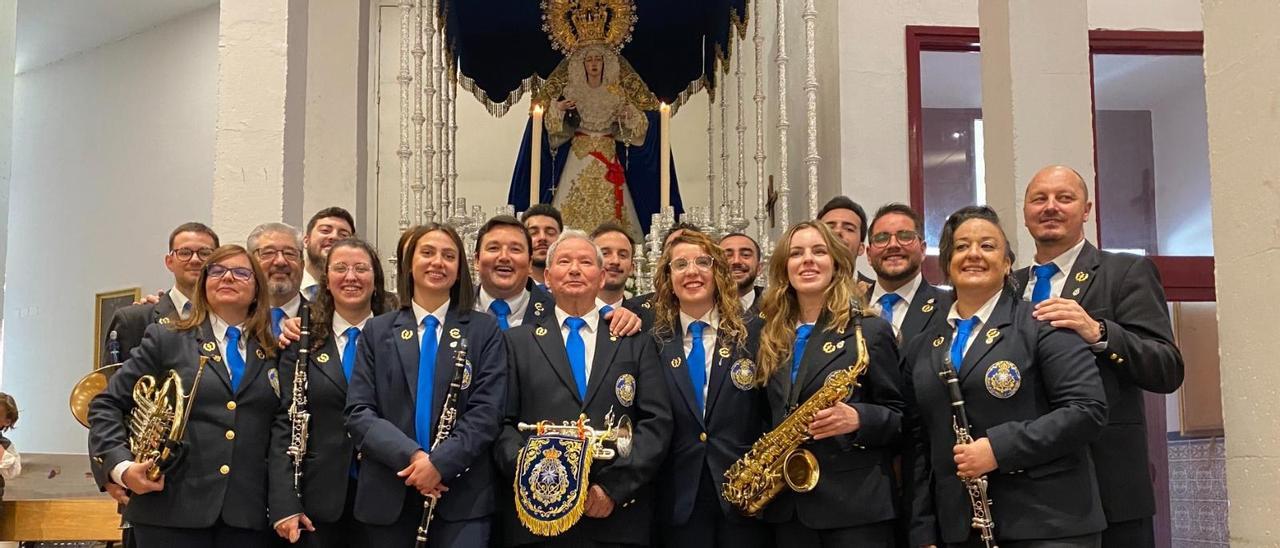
[(86, 388)]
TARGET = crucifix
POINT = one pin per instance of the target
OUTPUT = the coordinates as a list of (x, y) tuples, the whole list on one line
[(772, 201)]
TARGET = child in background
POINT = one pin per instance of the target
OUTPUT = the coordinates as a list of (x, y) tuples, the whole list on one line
[(10, 460)]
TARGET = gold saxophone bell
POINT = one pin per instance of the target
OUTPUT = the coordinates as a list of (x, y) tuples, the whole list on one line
[(800, 471), (86, 388)]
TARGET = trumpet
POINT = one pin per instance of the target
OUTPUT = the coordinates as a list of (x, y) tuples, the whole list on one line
[(618, 433)]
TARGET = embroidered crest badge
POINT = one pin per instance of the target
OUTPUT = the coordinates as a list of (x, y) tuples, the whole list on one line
[(625, 389), (274, 378), (1003, 379), (743, 374)]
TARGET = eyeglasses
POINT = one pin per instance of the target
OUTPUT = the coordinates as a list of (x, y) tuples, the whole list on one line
[(703, 262), (267, 254), (239, 273), (184, 254), (341, 269), (905, 237)]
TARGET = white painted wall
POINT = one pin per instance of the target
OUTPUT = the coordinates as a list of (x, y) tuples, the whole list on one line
[(112, 149), (1180, 132)]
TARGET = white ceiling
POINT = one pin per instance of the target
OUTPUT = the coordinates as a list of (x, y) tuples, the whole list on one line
[(1124, 82), (49, 30)]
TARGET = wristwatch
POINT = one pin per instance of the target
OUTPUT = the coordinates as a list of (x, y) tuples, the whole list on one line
[(1102, 330)]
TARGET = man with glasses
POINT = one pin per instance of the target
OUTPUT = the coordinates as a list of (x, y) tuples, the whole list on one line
[(901, 294), (278, 250), (189, 245), (325, 228)]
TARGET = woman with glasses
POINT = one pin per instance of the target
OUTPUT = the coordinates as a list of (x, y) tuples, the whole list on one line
[(352, 292), (717, 408), (813, 310), (404, 365), (1032, 399), (214, 493)]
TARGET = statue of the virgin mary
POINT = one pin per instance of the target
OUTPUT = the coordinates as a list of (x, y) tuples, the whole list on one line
[(594, 99)]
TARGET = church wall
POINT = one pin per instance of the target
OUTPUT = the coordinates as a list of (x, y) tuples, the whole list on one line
[(112, 149)]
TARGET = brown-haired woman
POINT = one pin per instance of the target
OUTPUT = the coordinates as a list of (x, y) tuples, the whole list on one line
[(352, 291), (811, 306), (719, 411), (1032, 396), (404, 365), (215, 493)]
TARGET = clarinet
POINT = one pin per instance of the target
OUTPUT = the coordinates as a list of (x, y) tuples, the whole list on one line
[(977, 487), (448, 416), (299, 417)]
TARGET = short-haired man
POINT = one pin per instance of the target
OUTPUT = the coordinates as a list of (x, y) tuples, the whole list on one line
[(544, 223), (325, 228), (566, 364), (743, 254), (502, 260), (901, 294), (617, 248), (848, 221), (1116, 303), (278, 250)]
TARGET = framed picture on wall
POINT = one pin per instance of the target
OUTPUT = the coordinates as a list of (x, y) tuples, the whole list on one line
[(105, 305)]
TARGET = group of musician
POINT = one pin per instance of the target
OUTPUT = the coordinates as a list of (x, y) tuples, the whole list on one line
[(416, 397)]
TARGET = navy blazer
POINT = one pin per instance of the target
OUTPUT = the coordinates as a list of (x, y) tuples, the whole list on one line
[(542, 388), (736, 414), (856, 485), (326, 466), (131, 322), (224, 472), (1124, 291), (380, 413), (1044, 486)]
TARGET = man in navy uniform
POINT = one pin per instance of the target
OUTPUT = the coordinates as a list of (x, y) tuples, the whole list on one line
[(848, 220), (502, 261), (1114, 301), (743, 253), (901, 294)]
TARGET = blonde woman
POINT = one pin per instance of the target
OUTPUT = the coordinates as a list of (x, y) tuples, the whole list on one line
[(708, 353), (810, 305)]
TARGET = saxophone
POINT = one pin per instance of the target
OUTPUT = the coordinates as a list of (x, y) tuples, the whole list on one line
[(448, 416), (776, 459), (976, 487), (299, 417), (159, 417)]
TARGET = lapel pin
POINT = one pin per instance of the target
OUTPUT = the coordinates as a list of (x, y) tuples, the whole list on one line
[(724, 352), (540, 331), (828, 347), (406, 334), (217, 358), (992, 334), (209, 347), (455, 333), (840, 344), (164, 321), (927, 308), (646, 305), (260, 354), (613, 338), (675, 362), (938, 341), (1076, 292), (537, 306), (322, 358), (1082, 276)]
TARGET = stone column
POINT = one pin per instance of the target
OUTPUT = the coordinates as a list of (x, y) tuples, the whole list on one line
[(262, 76), (1037, 105), (1242, 76)]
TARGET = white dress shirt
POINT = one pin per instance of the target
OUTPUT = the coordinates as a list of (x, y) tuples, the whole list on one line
[(340, 327), (420, 314), (309, 286), (588, 332), (900, 308), (712, 319), (180, 302), (518, 306), (1065, 262), (748, 300), (983, 314)]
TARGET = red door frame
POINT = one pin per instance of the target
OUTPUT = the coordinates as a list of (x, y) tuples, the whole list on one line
[(1184, 278)]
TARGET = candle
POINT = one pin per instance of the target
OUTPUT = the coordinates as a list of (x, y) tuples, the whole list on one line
[(535, 155), (664, 166)]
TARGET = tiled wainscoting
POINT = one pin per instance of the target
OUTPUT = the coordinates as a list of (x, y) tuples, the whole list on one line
[(1198, 492)]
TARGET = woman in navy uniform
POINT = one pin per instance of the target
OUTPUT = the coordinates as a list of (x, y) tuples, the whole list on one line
[(719, 410), (1033, 398), (404, 366), (351, 293), (809, 310), (215, 494)]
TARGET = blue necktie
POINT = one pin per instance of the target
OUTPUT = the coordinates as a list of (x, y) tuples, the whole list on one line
[(964, 330), (1044, 286), (576, 347), (426, 382), (698, 364), (349, 351), (797, 350), (186, 311), (886, 306), (234, 360), (502, 310), (605, 310), (277, 314)]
